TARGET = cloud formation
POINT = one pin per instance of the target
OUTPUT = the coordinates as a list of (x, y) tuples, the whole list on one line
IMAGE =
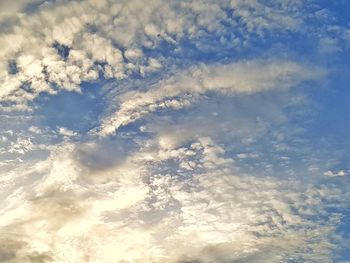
[(166, 204), (185, 88), (337, 173), (80, 41), (171, 132)]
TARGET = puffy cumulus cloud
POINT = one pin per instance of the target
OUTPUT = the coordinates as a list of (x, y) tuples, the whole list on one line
[(66, 132), (340, 173), (166, 202), (184, 88), (64, 43)]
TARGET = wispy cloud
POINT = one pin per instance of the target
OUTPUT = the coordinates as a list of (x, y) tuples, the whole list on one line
[(183, 89)]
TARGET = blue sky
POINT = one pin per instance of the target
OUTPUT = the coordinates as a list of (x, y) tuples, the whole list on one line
[(174, 131)]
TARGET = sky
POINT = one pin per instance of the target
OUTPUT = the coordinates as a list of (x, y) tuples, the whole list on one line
[(178, 131)]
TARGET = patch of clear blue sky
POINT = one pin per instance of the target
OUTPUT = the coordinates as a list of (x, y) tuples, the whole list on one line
[(340, 10), (79, 112)]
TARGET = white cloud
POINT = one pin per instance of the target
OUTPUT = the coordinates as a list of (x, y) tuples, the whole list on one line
[(34, 129), (107, 32), (66, 132), (152, 208), (173, 192), (21, 146), (184, 88), (340, 173), (9, 9)]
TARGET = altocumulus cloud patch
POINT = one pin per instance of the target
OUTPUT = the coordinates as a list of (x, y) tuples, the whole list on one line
[(174, 131)]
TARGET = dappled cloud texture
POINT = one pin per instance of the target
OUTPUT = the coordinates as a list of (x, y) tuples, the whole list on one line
[(169, 132)]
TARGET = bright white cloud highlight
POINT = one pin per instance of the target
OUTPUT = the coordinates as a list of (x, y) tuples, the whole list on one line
[(200, 209)]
